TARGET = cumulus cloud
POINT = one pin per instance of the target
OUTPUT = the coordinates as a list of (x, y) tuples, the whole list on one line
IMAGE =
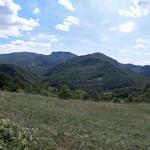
[(139, 46), (68, 23), (126, 27), (11, 24), (142, 44), (140, 8), (36, 11), (67, 4), (35, 44)]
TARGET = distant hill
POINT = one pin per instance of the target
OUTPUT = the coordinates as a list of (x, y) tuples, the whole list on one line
[(141, 70), (17, 73), (36, 63), (94, 72), (13, 78)]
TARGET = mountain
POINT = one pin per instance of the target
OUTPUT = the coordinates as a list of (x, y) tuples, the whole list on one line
[(36, 63), (141, 70), (61, 56), (93, 72), (13, 78), (17, 73)]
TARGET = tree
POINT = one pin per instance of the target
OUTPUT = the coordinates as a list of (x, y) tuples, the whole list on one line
[(4, 81), (94, 96), (65, 92), (86, 97)]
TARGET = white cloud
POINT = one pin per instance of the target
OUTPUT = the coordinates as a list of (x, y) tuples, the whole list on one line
[(142, 44), (126, 27), (41, 43), (45, 38), (139, 46), (36, 11), (140, 8), (11, 24), (68, 23), (113, 28), (139, 40), (67, 4)]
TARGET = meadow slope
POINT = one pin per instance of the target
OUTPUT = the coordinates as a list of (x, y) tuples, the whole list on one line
[(72, 124)]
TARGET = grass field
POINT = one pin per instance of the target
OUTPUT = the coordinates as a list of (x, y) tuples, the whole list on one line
[(72, 124)]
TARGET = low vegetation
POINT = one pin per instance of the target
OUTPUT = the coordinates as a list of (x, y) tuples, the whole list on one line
[(13, 136), (74, 124)]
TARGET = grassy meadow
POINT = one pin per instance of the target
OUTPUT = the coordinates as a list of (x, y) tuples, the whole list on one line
[(79, 125)]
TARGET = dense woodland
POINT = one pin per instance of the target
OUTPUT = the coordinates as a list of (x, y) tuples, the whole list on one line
[(94, 77)]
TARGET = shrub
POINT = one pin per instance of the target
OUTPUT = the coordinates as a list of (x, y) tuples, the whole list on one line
[(65, 92), (86, 97), (78, 94), (116, 100), (38, 88), (94, 96), (13, 136)]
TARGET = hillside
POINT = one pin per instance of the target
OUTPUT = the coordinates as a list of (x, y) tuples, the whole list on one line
[(141, 70), (94, 72), (13, 78), (79, 125), (17, 73), (36, 63)]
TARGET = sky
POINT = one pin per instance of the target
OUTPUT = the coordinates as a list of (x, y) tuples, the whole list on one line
[(117, 28)]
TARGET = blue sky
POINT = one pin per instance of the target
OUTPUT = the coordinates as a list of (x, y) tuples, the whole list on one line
[(117, 28)]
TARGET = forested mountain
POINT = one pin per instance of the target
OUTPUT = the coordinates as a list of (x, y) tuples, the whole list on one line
[(141, 70), (13, 77), (94, 72), (17, 73), (36, 63)]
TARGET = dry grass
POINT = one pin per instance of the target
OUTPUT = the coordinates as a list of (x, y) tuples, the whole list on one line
[(72, 124)]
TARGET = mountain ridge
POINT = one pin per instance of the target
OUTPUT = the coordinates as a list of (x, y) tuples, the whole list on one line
[(36, 63), (93, 71), (17, 73)]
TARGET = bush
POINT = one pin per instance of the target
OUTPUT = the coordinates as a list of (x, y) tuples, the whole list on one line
[(38, 88), (106, 96), (86, 97), (13, 136), (116, 100), (65, 92), (78, 94), (94, 96)]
